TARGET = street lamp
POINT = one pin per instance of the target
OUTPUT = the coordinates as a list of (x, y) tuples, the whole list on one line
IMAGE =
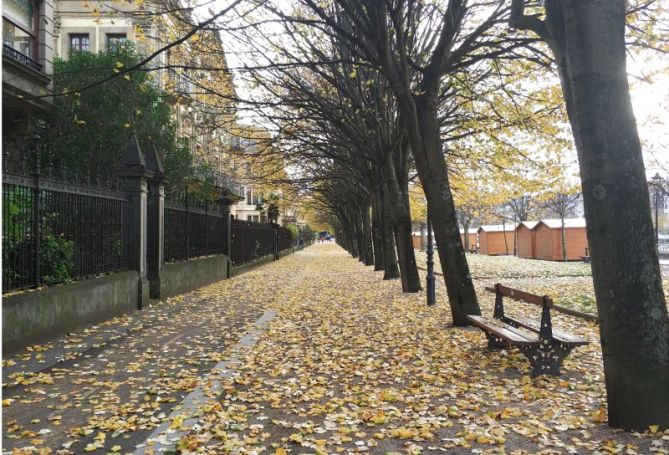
[(657, 182), (431, 297)]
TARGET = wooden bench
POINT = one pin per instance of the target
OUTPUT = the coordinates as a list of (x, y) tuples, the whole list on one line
[(544, 347)]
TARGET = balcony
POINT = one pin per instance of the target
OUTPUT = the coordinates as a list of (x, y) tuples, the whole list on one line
[(23, 59), (25, 86), (221, 180)]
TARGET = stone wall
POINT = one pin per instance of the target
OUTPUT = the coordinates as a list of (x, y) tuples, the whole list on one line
[(36, 316)]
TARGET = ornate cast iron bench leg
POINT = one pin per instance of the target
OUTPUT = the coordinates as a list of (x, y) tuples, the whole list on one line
[(547, 357), (495, 342)]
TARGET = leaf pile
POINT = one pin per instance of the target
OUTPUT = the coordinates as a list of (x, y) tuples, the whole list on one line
[(350, 364)]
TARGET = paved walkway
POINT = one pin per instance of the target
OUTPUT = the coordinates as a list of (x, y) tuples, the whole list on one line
[(314, 353)]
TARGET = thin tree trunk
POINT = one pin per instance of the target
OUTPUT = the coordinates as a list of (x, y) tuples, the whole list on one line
[(391, 269), (407, 257), (564, 241), (367, 235), (506, 243), (588, 39), (466, 234), (401, 217), (360, 238), (349, 226), (377, 234)]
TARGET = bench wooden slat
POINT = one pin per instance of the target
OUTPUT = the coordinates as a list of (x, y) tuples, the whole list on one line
[(519, 295), (502, 330), (558, 335)]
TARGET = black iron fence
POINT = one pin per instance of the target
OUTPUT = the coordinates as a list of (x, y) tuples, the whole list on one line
[(193, 229), (53, 231), (251, 241), (285, 239)]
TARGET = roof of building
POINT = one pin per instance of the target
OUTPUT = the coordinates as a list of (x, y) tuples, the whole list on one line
[(556, 223), (470, 231), (497, 228), (528, 224)]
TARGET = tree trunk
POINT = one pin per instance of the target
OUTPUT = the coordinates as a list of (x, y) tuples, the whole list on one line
[(349, 227), (401, 217), (466, 229), (377, 233), (433, 174), (391, 270), (589, 46), (564, 242), (506, 243), (407, 257), (360, 238), (368, 252)]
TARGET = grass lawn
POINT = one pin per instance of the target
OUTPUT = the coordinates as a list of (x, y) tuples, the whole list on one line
[(568, 283)]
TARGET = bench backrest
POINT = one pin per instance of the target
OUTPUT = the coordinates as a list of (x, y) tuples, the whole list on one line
[(545, 302)]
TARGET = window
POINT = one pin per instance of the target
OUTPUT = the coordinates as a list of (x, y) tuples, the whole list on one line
[(17, 38), (19, 29), (256, 218), (114, 40), (249, 218), (80, 42), (248, 197)]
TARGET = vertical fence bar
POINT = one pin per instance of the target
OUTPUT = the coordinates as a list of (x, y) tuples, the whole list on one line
[(37, 219), (206, 228), (187, 221), (431, 297)]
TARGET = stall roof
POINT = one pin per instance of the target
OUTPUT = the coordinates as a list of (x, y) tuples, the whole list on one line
[(556, 223), (497, 228), (528, 224)]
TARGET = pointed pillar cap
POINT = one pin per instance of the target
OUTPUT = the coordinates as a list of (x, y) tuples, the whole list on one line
[(133, 157)]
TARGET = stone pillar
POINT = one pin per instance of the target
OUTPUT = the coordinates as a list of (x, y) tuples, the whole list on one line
[(155, 251), (134, 178), (46, 41), (225, 203)]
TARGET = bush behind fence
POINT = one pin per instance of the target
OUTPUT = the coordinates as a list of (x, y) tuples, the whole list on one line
[(53, 231)]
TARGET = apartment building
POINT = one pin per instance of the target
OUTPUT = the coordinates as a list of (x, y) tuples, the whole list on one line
[(201, 115), (27, 64)]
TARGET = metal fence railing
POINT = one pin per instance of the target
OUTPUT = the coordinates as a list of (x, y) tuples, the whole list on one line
[(57, 230), (53, 231), (285, 239), (250, 241), (193, 229)]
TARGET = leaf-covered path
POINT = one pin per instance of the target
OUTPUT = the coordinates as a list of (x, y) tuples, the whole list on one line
[(349, 364)]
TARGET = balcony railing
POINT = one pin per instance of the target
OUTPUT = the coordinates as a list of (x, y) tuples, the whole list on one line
[(225, 181), (12, 53), (220, 180)]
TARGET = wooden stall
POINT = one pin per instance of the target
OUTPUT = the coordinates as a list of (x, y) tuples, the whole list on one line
[(549, 239), (415, 237), (496, 240), (526, 239), (472, 233)]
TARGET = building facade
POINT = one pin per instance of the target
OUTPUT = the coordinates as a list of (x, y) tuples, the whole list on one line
[(203, 117), (27, 65)]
